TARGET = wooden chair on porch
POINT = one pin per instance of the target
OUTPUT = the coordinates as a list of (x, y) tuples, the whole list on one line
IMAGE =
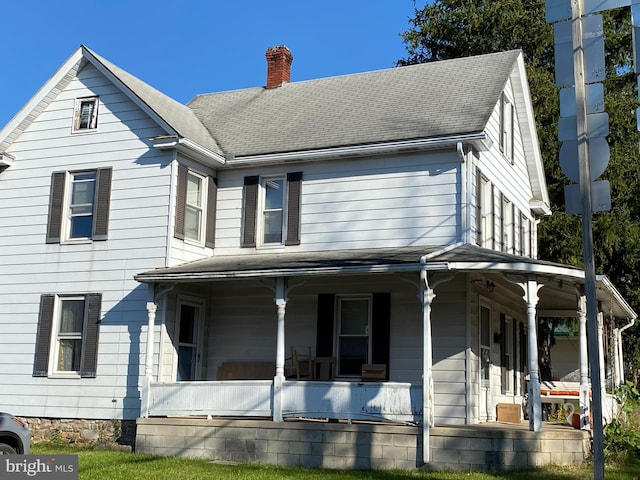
[(302, 363)]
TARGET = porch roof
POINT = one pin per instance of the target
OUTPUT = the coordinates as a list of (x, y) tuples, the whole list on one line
[(458, 257), (395, 259), (557, 298)]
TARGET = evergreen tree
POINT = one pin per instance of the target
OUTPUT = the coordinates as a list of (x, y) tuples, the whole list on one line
[(445, 29)]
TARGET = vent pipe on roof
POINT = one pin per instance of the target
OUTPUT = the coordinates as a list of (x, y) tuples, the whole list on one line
[(278, 66)]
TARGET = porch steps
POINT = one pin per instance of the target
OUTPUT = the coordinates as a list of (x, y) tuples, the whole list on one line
[(340, 445)]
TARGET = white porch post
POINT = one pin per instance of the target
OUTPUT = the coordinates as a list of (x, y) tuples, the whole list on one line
[(278, 380), (603, 377), (426, 296), (585, 406), (152, 308), (531, 288)]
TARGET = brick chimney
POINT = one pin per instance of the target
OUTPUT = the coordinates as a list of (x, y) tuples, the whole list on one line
[(278, 66)]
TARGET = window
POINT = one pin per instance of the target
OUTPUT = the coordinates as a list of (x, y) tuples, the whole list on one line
[(506, 353), (196, 207), (355, 329), (67, 336), (271, 211), (485, 216), (506, 127), (188, 338), (506, 224), (485, 347), (85, 114), (273, 190), (79, 205)]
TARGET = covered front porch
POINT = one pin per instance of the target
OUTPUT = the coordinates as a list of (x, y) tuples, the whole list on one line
[(461, 318)]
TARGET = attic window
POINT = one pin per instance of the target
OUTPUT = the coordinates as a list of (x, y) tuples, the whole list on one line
[(85, 114)]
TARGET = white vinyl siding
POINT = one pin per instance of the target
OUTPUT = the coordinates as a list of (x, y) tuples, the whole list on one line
[(137, 242), (395, 201)]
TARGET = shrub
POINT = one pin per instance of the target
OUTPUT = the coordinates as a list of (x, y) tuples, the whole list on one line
[(622, 435)]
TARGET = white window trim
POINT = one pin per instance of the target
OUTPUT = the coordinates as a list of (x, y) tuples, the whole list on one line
[(200, 241), (339, 299), (65, 234), (93, 124), (260, 213), (54, 348)]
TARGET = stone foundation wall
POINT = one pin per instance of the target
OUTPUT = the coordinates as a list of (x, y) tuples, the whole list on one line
[(82, 432)]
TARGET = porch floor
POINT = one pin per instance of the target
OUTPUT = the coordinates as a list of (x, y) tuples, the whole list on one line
[(491, 446)]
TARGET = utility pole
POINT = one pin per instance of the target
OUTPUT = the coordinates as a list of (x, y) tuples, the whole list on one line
[(587, 237)]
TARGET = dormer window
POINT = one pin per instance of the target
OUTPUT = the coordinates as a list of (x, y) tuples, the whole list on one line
[(85, 114)]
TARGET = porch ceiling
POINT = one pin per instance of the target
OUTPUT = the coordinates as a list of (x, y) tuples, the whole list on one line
[(558, 295)]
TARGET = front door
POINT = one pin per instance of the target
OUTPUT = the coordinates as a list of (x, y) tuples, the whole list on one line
[(188, 327), (485, 364)]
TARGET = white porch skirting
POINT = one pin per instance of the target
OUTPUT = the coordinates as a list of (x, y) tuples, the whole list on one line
[(392, 401)]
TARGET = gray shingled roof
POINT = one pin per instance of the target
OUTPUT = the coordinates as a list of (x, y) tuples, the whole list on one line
[(180, 117), (402, 258), (428, 100)]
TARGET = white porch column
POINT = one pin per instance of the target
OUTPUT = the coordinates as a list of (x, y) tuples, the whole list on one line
[(278, 380), (603, 377), (531, 288), (426, 296), (585, 404), (148, 364)]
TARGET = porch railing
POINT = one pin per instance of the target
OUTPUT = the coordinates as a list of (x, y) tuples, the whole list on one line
[(392, 401)]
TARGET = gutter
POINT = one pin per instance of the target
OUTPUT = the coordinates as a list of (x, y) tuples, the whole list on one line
[(286, 272), (479, 140)]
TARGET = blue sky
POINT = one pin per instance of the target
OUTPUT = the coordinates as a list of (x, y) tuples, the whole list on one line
[(188, 47)]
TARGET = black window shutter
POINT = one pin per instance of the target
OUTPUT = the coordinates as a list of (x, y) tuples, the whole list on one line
[(181, 202), (478, 207), (381, 329), (43, 336), (294, 181), (249, 211), (56, 199), (502, 244), (212, 198), (101, 206), (502, 123), (324, 325), (503, 353), (89, 357)]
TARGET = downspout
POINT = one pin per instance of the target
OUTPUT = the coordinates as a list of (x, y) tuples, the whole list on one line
[(172, 208), (619, 351), (465, 181)]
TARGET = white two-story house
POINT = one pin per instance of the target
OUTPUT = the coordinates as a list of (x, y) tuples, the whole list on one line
[(359, 248)]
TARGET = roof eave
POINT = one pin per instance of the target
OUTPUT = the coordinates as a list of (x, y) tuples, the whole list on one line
[(188, 148), (480, 140)]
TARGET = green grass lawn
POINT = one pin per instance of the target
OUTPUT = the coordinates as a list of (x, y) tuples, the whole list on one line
[(98, 464)]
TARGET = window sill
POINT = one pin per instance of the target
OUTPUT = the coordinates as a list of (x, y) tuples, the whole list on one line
[(66, 375)]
